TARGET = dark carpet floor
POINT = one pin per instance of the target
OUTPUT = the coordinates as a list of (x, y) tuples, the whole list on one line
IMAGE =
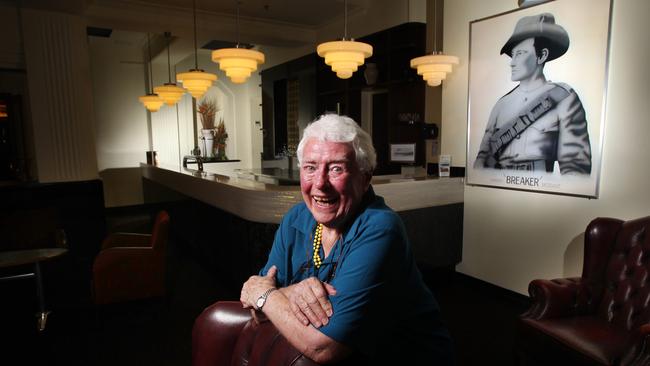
[(157, 332), (480, 317)]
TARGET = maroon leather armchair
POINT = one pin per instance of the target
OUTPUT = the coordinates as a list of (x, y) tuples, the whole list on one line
[(226, 334), (132, 266), (602, 317)]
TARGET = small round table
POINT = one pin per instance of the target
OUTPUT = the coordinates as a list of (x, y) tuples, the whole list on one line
[(35, 257)]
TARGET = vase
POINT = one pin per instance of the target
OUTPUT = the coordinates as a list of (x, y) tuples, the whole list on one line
[(208, 141), (221, 151), (370, 73)]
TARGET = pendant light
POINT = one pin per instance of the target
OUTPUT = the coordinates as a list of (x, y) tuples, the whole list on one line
[(151, 100), (196, 81), (435, 67), (344, 56), (169, 92), (238, 63)]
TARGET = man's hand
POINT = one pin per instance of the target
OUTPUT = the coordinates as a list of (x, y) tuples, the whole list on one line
[(309, 301), (255, 287)]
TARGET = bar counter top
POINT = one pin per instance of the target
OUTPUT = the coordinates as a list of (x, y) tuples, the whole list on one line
[(266, 203)]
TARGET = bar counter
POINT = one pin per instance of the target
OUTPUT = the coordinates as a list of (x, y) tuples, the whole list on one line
[(266, 203), (227, 223)]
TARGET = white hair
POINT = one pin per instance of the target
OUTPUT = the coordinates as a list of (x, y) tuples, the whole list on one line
[(335, 128)]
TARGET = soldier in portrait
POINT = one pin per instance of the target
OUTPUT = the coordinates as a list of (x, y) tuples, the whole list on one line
[(538, 122)]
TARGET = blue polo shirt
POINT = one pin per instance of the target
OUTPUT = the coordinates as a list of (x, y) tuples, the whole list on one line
[(382, 307)]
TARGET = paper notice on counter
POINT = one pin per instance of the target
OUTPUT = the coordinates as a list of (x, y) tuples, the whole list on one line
[(444, 165)]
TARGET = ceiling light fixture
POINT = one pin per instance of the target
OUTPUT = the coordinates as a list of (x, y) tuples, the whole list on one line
[(238, 63), (196, 81), (435, 67), (169, 92), (151, 100), (344, 56)]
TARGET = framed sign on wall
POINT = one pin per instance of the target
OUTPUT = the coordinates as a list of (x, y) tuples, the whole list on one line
[(537, 91), (402, 153)]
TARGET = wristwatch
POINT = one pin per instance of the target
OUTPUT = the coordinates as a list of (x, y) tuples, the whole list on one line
[(262, 299)]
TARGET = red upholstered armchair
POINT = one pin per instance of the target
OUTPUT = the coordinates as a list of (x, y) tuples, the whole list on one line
[(132, 266), (225, 334), (602, 317)]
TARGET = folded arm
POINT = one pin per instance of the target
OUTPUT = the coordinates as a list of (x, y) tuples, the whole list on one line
[(278, 309), (309, 301)]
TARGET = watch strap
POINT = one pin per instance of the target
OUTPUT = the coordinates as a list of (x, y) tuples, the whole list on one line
[(264, 296)]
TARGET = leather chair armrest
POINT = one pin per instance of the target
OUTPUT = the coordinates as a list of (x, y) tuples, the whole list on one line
[(216, 331), (126, 240), (554, 298), (638, 354)]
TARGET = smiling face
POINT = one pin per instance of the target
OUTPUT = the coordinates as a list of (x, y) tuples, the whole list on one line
[(524, 60), (331, 182)]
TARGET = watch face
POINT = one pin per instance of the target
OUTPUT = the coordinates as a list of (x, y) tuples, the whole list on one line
[(260, 302)]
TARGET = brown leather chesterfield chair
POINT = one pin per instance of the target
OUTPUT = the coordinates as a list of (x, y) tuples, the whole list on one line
[(226, 334), (132, 266), (602, 317)]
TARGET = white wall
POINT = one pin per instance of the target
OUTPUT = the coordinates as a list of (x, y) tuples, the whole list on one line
[(118, 78), (512, 237), (118, 74)]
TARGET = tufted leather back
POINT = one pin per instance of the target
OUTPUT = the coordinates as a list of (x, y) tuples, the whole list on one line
[(625, 299), (225, 334), (262, 344)]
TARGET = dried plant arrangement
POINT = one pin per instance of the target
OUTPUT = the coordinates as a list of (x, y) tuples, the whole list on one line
[(220, 137), (208, 109)]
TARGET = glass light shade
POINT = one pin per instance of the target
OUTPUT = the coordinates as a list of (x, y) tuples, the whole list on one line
[(344, 57), (152, 102), (197, 82), (238, 63), (170, 93), (434, 68)]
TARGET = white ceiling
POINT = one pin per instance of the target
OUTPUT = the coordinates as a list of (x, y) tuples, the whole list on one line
[(287, 24), (308, 13), (280, 23), (277, 23)]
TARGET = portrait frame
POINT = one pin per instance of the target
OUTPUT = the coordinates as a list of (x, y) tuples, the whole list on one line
[(581, 70), (402, 153)]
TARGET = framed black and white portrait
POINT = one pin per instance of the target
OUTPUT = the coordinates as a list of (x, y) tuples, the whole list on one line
[(537, 91), (402, 153)]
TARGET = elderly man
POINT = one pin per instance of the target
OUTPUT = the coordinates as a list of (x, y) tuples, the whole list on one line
[(538, 122), (347, 284)]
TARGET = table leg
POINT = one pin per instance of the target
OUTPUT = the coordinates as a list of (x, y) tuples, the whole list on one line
[(42, 314)]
